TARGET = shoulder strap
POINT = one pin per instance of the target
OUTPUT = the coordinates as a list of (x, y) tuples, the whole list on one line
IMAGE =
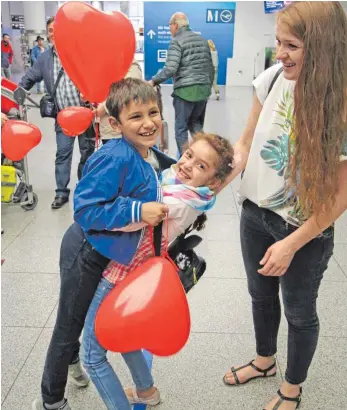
[(60, 74), (157, 238), (275, 79)]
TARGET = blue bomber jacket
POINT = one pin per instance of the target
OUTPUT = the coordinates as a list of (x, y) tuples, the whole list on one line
[(116, 182)]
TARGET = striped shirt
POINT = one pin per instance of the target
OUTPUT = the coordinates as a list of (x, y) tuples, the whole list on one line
[(67, 94)]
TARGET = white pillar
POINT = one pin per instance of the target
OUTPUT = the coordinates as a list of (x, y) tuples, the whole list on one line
[(34, 15)]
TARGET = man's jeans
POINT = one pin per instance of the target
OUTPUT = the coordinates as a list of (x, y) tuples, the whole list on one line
[(189, 116), (261, 228), (81, 268), (63, 158), (6, 72)]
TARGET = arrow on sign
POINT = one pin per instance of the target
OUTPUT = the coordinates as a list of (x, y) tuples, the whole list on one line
[(151, 33)]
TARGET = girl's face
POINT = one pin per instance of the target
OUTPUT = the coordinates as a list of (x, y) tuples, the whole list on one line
[(290, 51), (197, 166)]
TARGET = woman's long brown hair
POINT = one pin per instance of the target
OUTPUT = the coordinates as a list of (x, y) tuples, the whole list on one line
[(320, 101)]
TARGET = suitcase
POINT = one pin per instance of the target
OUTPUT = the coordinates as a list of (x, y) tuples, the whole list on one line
[(8, 182)]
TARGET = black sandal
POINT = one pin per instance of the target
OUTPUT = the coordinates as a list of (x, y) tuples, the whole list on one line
[(264, 373), (283, 398)]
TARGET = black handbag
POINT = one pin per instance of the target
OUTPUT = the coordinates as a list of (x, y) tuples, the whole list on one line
[(191, 266), (48, 105)]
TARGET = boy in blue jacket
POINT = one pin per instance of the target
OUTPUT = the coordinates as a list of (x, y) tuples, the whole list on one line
[(119, 186)]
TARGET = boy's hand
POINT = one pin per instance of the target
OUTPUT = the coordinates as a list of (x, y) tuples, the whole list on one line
[(154, 212)]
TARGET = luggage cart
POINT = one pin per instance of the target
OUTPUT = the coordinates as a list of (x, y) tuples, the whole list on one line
[(15, 186)]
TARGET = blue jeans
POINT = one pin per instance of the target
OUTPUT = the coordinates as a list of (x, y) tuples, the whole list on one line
[(189, 116), (6, 72), (63, 158), (94, 358), (261, 228)]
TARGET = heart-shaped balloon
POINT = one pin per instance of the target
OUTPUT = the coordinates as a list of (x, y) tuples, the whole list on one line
[(75, 120), (148, 309), (96, 49), (18, 138)]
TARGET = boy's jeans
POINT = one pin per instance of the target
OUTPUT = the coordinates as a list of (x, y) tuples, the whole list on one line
[(94, 358), (81, 268)]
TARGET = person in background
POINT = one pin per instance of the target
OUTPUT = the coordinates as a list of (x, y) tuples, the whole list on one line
[(214, 55), (47, 68), (189, 63), (35, 54), (6, 56)]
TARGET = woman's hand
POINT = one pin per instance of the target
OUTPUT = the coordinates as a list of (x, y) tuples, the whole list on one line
[(277, 259)]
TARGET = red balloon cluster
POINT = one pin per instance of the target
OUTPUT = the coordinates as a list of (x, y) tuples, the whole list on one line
[(148, 309)]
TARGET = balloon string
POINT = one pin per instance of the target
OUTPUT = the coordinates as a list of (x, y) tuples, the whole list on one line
[(166, 247), (96, 132)]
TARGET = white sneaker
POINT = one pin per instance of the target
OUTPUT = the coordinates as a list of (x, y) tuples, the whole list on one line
[(152, 400), (38, 405), (77, 375)]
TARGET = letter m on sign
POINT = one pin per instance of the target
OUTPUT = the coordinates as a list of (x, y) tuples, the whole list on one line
[(212, 16), (221, 16)]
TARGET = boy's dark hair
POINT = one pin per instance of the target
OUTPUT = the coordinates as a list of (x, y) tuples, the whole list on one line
[(5, 34), (126, 91), (49, 21), (223, 149)]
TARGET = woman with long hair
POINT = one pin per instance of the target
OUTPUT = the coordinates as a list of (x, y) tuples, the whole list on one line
[(294, 153)]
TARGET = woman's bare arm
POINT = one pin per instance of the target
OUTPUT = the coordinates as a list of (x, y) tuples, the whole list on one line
[(243, 145)]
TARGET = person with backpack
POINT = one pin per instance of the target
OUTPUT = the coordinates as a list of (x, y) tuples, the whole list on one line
[(294, 153), (188, 190)]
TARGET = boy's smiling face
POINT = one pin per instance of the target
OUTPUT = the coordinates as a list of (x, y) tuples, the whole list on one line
[(140, 124)]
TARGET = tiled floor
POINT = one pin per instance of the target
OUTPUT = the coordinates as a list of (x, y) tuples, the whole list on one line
[(220, 306)]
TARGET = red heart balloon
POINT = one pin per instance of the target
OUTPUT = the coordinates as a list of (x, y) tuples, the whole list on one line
[(18, 138), (148, 309), (75, 120), (96, 49)]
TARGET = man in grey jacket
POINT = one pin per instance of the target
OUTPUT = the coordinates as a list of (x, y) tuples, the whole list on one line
[(189, 63)]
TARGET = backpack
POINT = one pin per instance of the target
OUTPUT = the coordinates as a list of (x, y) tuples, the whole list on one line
[(191, 266)]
